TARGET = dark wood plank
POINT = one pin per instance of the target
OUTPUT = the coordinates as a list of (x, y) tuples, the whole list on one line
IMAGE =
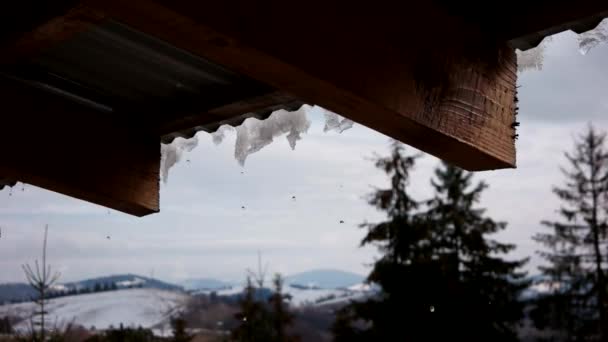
[(68, 148), (358, 61), (231, 114)]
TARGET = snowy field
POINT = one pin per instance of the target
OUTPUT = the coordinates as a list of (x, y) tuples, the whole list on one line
[(133, 307), (306, 296), (148, 308)]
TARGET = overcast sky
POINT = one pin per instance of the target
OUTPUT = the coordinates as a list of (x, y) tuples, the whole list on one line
[(202, 231)]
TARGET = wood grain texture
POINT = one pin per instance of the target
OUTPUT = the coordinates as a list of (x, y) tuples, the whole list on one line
[(47, 31), (68, 148), (232, 114), (357, 61)]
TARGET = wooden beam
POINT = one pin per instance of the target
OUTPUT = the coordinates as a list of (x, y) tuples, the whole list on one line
[(357, 60), (530, 22), (6, 182), (231, 114), (62, 146), (32, 26)]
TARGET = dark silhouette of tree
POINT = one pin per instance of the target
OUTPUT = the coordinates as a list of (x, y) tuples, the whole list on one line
[(41, 278), (488, 285), (436, 265), (264, 320), (178, 327), (282, 318), (575, 246), (403, 309), (6, 326), (124, 335), (255, 323)]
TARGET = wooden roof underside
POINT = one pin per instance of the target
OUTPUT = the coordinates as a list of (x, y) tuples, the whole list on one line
[(110, 79)]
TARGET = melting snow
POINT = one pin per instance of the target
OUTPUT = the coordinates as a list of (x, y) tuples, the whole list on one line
[(590, 39), (533, 58), (219, 135), (334, 122), (172, 153), (254, 134)]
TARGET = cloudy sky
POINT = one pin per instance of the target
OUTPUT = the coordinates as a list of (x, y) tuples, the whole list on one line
[(202, 230)]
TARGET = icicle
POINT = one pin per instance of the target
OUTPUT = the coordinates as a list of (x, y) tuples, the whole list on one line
[(172, 153), (219, 135), (532, 59), (590, 39), (334, 122), (254, 134)]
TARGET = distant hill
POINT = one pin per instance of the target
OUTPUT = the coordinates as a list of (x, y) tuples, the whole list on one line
[(147, 308), (16, 292), (123, 281), (204, 284), (20, 292), (325, 279)]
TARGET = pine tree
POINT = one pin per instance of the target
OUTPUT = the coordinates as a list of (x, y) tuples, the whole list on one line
[(254, 318), (410, 279), (282, 318), (178, 327), (488, 285), (576, 246), (41, 278), (441, 278)]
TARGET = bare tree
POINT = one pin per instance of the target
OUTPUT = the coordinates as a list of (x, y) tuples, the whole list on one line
[(41, 278), (258, 276)]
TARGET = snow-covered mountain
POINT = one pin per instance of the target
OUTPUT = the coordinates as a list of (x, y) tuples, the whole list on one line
[(145, 307), (204, 284), (122, 281), (16, 292), (300, 296), (325, 279), (20, 292)]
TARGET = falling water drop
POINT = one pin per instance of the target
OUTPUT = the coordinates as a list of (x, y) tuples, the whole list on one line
[(341, 221), (432, 309)]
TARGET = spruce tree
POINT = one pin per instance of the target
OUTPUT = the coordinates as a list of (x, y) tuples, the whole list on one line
[(576, 244), (441, 277), (178, 327), (41, 278), (254, 319), (410, 279), (282, 318), (261, 320), (488, 285)]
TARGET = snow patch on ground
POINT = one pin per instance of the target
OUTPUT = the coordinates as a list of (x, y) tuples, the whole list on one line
[(312, 296), (134, 307)]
